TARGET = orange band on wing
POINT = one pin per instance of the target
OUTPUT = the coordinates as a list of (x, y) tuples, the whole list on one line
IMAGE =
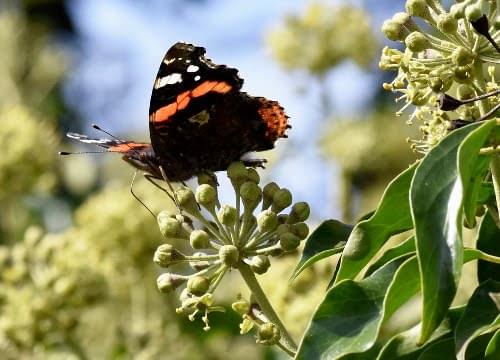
[(127, 146), (164, 113)]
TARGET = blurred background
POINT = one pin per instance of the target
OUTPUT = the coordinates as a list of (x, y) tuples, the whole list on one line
[(76, 248)]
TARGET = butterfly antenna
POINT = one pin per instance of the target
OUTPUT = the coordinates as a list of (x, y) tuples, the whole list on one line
[(97, 127), (64, 153)]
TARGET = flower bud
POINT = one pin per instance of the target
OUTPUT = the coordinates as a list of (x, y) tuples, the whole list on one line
[(242, 307), (281, 199), (267, 194), (168, 282), (283, 228), (208, 178), (166, 254), (289, 241), (187, 200), (300, 212), (301, 230), (394, 31), (418, 8), (474, 11), (496, 23), (199, 239), (206, 195), (457, 11), (462, 56), (251, 194), (227, 215), (447, 24), (253, 175), (268, 334), (417, 42), (283, 218), (198, 285), (260, 264), (462, 74), (267, 221), (237, 173), (169, 226), (465, 92), (229, 255)]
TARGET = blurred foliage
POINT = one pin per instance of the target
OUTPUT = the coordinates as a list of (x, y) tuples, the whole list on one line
[(323, 37)]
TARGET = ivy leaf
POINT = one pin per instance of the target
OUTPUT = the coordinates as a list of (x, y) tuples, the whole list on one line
[(327, 240), (481, 314), (493, 349), (472, 168), (406, 248), (436, 197), (440, 350), (488, 240), (391, 217)]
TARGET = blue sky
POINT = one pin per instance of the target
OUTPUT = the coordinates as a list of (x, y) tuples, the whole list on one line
[(123, 42)]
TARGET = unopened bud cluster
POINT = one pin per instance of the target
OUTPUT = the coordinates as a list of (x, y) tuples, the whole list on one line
[(446, 58), (246, 233)]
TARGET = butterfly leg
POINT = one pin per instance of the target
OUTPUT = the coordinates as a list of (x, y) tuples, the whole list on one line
[(169, 184), (150, 179), (254, 163), (136, 197)]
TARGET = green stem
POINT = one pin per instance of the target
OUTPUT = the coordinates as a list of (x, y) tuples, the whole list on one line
[(266, 307)]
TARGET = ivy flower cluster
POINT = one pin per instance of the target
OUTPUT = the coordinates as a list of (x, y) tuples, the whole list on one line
[(232, 237), (441, 71)]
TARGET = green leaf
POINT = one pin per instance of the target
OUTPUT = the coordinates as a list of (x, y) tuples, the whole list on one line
[(477, 347), (391, 217), (440, 350), (406, 248), (472, 168), (403, 346), (327, 240), (480, 315), (488, 240), (435, 198), (493, 349)]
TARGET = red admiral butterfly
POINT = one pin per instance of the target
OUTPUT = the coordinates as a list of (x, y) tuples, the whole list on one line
[(199, 120)]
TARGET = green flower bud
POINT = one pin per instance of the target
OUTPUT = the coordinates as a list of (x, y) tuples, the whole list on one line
[(283, 218), (301, 230), (251, 194), (206, 195), (227, 215), (253, 175), (208, 178), (169, 226), (281, 200), (289, 241), (267, 194), (198, 285), (237, 173), (465, 92), (462, 74), (496, 23), (267, 221), (165, 255), (300, 212), (260, 264), (417, 42), (405, 20), (187, 200), (199, 239), (447, 23), (457, 11), (229, 255), (394, 31), (418, 8), (168, 282), (242, 307), (268, 334), (417, 97), (283, 228), (473, 12), (462, 56)]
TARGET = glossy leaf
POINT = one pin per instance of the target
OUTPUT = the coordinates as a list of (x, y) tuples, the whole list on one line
[(440, 350), (436, 198), (488, 240), (481, 313), (406, 248), (472, 168), (493, 349), (327, 240), (477, 347), (391, 217), (403, 346)]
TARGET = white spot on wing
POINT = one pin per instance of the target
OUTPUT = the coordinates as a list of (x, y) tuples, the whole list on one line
[(192, 68), (168, 61), (168, 80), (197, 77)]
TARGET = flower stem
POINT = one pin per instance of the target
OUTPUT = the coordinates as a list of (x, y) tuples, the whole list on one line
[(266, 307)]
